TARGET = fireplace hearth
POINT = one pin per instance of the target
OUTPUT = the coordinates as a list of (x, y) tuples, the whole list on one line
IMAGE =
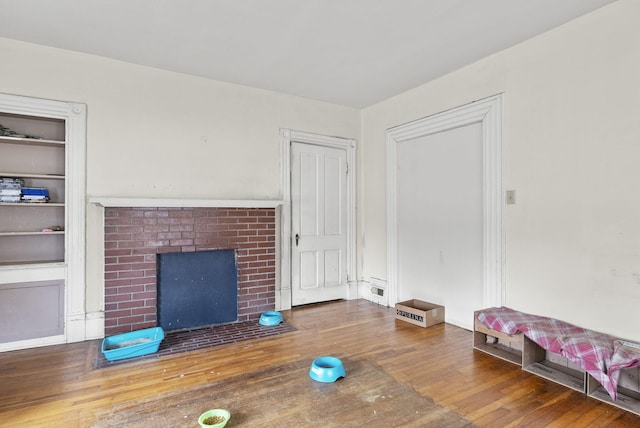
[(134, 237)]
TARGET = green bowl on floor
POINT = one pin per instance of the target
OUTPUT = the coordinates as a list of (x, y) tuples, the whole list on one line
[(212, 414)]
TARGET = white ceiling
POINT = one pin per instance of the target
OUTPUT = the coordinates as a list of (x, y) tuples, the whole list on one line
[(349, 52)]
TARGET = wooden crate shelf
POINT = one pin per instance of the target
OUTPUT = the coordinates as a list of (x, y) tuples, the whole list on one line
[(504, 346), (627, 399), (519, 349), (574, 379)]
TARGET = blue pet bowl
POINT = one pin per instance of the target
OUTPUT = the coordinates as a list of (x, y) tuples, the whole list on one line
[(270, 318), (326, 369)]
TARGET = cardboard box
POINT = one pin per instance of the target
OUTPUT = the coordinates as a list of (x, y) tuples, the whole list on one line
[(420, 313)]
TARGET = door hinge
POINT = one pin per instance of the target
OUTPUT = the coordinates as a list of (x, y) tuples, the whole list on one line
[(347, 168)]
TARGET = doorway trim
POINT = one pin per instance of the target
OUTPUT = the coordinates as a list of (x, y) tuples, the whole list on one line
[(287, 136), (489, 113)]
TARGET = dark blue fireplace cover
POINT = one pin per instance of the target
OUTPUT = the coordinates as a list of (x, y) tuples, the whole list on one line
[(197, 289)]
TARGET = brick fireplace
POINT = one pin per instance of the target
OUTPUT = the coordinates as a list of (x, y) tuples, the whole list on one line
[(134, 236)]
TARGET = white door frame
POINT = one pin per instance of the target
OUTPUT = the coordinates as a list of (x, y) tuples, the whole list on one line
[(287, 136), (487, 111)]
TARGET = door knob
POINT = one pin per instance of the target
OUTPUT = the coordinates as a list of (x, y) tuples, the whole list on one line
[(297, 239)]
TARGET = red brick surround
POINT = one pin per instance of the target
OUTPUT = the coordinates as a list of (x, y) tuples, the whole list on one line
[(133, 237)]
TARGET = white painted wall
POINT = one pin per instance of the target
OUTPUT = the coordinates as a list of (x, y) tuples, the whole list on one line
[(157, 134), (572, 138), (439, 192), (572, 109)]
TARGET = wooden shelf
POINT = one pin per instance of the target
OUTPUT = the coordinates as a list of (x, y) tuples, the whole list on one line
[(40, 163), (501, 345), (32, 204), (55, 232), (27, 175), (33, 263), (32, 141), (627, 399), (501, 351), (574, 379)]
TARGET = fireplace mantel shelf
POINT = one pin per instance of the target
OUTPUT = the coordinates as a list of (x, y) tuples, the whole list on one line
[(184, 202)]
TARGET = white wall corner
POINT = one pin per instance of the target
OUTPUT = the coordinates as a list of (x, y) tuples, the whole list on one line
[(94, 325), (283, 300), (353, 290), (75, 327)]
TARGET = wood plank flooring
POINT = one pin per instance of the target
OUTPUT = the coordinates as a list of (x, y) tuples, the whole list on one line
[(57, 386)]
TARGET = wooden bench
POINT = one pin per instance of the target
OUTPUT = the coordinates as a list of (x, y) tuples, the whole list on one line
[(531, 357)]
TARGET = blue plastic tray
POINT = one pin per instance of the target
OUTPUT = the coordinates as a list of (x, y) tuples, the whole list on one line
[(133, 344)]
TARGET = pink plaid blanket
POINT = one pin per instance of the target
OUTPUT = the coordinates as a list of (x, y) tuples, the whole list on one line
[(600, 355)]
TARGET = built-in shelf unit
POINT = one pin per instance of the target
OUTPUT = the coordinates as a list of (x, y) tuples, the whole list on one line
[(42, 148)]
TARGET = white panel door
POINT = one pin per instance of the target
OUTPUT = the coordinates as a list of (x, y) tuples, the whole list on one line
[(318, 218), (440, 221)]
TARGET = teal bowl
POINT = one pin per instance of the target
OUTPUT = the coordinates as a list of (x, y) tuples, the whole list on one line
[(327, 369), (270, 318)]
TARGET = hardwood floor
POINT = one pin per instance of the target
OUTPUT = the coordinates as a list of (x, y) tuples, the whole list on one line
[(57, 386)]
